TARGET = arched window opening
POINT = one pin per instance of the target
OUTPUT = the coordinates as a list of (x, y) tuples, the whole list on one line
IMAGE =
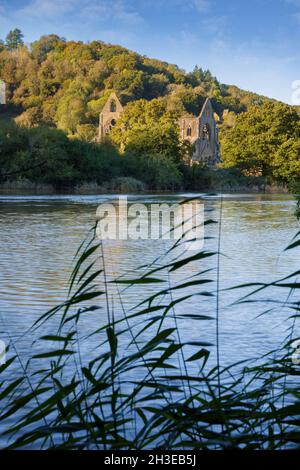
[(189, 131), (113, 106), (206, 132), (113, 122)]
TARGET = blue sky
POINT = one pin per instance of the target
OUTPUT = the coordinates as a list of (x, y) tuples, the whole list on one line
[(254, 44)]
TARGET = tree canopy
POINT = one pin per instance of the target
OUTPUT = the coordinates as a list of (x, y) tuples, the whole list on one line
[(265, 141), (14, 39), (49, 74), (58, 84)]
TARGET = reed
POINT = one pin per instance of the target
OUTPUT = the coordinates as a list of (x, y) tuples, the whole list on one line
[(141, 388)]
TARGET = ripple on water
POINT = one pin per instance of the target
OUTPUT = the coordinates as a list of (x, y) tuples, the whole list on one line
[(40, 235)]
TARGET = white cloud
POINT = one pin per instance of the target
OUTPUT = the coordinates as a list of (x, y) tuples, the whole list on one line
[(186, 38), (86, 10), (124, 11), (48, 8), (105, 10), (215, 25), (200, 5), (295, 3)]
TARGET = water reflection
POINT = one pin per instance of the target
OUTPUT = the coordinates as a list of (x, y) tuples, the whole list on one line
[(40, 236)]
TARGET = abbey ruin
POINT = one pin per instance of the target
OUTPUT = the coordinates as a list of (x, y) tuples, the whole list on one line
[(2, 92), (201, 131)]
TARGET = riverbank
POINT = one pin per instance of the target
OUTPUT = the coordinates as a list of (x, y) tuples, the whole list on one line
[(128, 187)]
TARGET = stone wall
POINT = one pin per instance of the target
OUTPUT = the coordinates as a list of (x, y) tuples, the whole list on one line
[(109, 116), (2, 92), (201, 131)]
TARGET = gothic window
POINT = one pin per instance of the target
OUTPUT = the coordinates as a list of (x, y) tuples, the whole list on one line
[(112, 124), (113, 106), (206, 132), (189, 131)]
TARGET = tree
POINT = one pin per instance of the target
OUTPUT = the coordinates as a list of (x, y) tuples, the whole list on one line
[(14, 39), (41, 77), (253, 143), (41, 48), (71, 108), (185, 99), (287, 161), (156, 171), (66, 84), (147, 128)]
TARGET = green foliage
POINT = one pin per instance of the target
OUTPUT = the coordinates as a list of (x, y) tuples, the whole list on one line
[(287, 160), (65, 84), (14, 39), (264, 141), (41, 48), (86, 132), (185, 99), (96, 163), (294, 188), (48, 74), (71, 107), (145, 127), (42, 155), (127, 184), (156, 171), (45, 155)]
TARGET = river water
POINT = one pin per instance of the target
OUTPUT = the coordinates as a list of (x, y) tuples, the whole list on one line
[(40, 235)]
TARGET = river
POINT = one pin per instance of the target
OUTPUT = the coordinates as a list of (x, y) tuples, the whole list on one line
[(40, 235)]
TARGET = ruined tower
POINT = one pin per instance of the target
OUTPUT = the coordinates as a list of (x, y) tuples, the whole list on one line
[(202, 132), (109, 115)]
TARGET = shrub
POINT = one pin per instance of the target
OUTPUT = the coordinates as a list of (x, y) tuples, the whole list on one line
[(127, 184)]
